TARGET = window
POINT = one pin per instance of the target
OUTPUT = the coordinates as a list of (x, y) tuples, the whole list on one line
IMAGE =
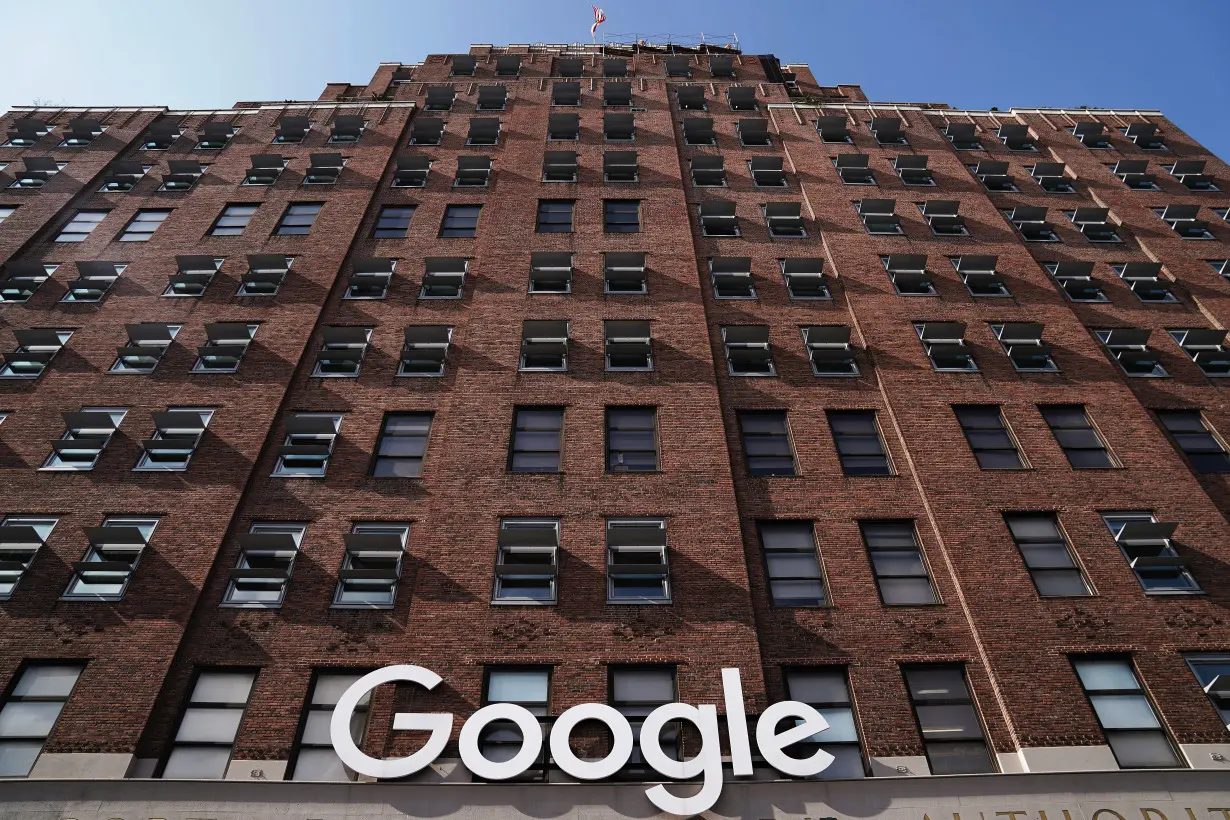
[(621, 215), (544, 346), (177, 434), (371, 567), (1124, 712), (833, 128), (718, 218), (233, 220), (266, 558), (1031, 222), (1189, 431), (6, 211), (1091, 134), (427, 130), (393, 221), (370, 278), (620, 166), (325, 169), (265, 170), (1130, 347), (123, 176), (961, 135), (460, 220), (265, 275), (292, 129), (24, 132), (951, 732), (425, 350), (1022, 341), (554, 216), (30, 712), (1144, 278), (753, 131), (636, 568), (192, 275), (994, 175), (559, 166), (209, 724), (898, 564), (1047, 555), (913, 170), (347, 128), (878, 216), (1094, 224), (632, 439), (537, 440), (1207, 349), (402, 445), (1190, 174), (93, 282), (508, 65), (341, 351), (945, 346), (828, 348), (624, 273), (566, 126), (989, 437), (527, 561), (860, 447), (22, 280), (472, 172), (81, 226), (792, 564), (887, 130), (1182, 219), (1016, 137), (528, 687), (628, 345), (804, 278), (87, 433), (1220, 266), (313, 757), (36, 348), (37, 172), (1076, 279), (142, 226), (732, 277), (1213, 672), (463, 65), (215, 135), (1075, 433), (484, 130), (698, 131), (942, 216), (1145, 135), (784, 220), (225, 346), (854, 169), (440, 98), (21, 536), (615, 127), (614, 67), (568, 94), (979, 275), (550, 272), (766, 443), (1146, 544), (691, 97), (766, 172), (1133, 174), (81, 133), (747, 350), (297, 219), (635, 692), (412, 171), (827, 691), (115, 549), (310, 438)]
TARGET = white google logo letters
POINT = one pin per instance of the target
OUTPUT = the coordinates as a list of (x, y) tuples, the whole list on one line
[(708, 762)]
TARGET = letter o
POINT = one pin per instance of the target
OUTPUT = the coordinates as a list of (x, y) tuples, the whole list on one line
[(471, 730), (621, 746)]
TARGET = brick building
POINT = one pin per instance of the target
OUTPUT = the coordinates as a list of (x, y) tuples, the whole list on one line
[(579, 374)]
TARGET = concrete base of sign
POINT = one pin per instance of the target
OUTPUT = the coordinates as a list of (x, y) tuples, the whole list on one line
[(1129, 795)]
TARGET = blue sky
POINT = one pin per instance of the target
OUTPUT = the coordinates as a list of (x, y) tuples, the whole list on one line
[(1127, 53)]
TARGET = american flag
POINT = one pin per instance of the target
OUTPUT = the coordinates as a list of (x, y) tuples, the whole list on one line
[(599, 17)]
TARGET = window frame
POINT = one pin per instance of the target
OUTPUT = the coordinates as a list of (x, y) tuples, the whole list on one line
[(652, 412), (397, 529), (513, 451), (611, 571), (453, 222), (968, 700), (362, 708), (878, 434), (1023, 543), (879, 576), (1138, 692), (382, 433), (11, 697), (283, 227), (825, 599), (188, 703), (748, 457)]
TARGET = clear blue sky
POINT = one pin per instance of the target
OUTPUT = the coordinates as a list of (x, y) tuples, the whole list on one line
[(1125, 53)]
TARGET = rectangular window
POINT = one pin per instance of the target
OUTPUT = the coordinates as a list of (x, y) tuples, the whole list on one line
[(1130, 348), (460, 220), (425, 350), (766, 443), (1206, 348), (233, 220), (621, 215), (444, 277), (115, 549), (945, 345), (898, 564), (1022, 341), (22, 279), (635, 692), (537, 440), (209, 725), (297, 219), (21, 536), (1213, 672), (370, 278), (81, 226), (632, 439), (747, 350), (30, 713), (341, 351), (313, 757), (527, 561), (528, 687), (226, 344), (628, 345), (827, 691), (177, 434), (310, 438), (951, 731), (636, 568), (147, 342), (544, 346), (1204, 449), (1075, 433), (267, 555), (1146, 544), (989, 437), (859, 444), (402, 445), (86, 435), (94, 280), (1047, 555), (550, 272), (1125, 713), (828, 348), (805, 278), (6, 211), (554, 216), (393, 221), (142, 226), (792, 564), (371, 567), (36, 348)]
